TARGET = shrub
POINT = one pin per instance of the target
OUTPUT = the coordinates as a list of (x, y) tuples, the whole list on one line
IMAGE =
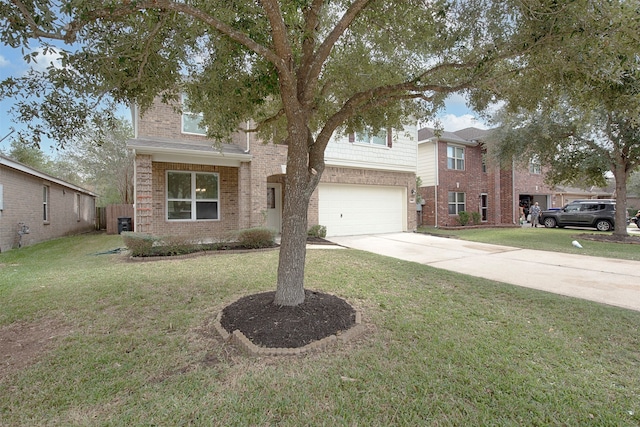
[(317, 231), (139, 244), (256, 238), (177, 245), (476, 218), (463, 218)]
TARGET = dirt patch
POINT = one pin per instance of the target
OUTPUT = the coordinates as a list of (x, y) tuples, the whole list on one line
[(268, 325), (23, 344)]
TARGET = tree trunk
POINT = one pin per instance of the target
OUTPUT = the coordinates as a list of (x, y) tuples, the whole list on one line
[(293, 248), (298, 189), (620, 174)]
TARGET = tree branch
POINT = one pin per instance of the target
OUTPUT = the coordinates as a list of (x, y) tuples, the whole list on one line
[(37, 32), (71, 30), (323, 52)]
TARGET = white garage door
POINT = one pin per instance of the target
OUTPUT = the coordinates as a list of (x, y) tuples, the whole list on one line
[(361, 209)]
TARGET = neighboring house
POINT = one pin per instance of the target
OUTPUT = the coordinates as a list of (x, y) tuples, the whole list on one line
[(41, 204), (186, 184), (456, 177), (564, 194)]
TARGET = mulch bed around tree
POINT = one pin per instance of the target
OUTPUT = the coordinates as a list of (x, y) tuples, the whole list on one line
[(268, 325)]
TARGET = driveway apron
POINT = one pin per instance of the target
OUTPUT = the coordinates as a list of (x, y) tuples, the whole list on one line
[(604, 280)]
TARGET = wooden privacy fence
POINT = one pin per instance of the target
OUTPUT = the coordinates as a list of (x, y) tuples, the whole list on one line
[(114, 213)]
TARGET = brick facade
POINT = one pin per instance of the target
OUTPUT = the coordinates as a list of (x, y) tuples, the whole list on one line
[(70, 210), (243, 186), (505, 188)]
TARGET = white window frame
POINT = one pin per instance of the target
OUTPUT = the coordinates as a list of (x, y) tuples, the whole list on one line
[(535, 167), (46, 196), (193, 200), (456, 203), (484, 207), (366, 137), (194, 117), (454, 159)]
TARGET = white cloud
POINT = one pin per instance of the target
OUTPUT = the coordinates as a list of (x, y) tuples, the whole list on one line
[(3, 61), (44, 60), (452, 123)]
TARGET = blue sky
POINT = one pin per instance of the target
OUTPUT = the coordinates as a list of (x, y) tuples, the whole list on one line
[(456, 116)]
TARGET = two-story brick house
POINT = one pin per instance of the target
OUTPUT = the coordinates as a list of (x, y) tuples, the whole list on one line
[(456, 177), (186, 184)]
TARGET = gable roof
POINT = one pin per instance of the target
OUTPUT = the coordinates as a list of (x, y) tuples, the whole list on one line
[(10, 163), (467, 136)]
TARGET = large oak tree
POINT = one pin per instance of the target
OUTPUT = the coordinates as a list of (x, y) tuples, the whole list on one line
[(578, 112), (301, 70)]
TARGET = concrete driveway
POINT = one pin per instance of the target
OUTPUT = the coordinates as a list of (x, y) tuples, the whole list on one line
[(608, 281)]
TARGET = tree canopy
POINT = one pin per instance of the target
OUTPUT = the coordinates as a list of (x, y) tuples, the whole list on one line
[(579, 111), (300, 70)]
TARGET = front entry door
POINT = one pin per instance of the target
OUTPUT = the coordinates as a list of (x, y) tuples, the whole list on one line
[(274, 206)]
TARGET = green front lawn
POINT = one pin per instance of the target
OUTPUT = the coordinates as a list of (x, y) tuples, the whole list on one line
[(129, 343), (545, 239)]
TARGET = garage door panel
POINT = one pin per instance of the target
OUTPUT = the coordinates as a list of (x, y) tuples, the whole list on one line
[(353, 209)]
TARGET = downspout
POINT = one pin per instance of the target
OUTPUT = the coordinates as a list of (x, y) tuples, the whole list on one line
[(134, 119), (135, 191), (437, 184), (514, 206), (248, 138)]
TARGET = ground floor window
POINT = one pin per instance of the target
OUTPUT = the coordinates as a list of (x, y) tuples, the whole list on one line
[(456, 203), (45, 203), (192, 196), (484, 207)]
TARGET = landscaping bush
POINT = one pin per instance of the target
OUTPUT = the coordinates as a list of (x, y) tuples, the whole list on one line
[(139, 244), (319, 231), (476, 218), (463, 218), (256, 238), (177, 245)]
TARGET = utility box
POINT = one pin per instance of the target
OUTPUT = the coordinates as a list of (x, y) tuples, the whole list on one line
[(124, 224)]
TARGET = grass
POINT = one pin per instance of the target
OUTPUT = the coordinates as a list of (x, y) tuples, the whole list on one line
[(555, 240), (134, 346)]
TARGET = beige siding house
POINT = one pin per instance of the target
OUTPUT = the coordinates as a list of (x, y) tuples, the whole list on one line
[(35, 207), (186, 184)]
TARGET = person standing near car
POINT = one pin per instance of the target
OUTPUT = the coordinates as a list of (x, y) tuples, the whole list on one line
[(535, 214)]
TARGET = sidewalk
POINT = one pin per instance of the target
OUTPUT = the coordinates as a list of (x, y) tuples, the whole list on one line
[(608, 281)]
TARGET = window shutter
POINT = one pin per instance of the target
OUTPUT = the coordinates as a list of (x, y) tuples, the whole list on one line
[(352, 137), (389, 138)]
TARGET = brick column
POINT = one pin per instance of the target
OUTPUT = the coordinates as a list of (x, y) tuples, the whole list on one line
[(244, 195), (143, 194)]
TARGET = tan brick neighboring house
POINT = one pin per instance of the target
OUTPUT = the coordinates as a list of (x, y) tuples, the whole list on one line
[(47, 206), (455, 177), (185, 184)]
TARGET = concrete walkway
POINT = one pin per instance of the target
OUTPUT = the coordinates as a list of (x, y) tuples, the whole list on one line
[(608, 281)]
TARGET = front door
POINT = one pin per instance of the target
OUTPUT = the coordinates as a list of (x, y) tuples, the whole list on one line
[(274, 206)]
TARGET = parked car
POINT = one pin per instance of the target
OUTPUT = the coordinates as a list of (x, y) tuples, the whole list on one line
[(596, 213)]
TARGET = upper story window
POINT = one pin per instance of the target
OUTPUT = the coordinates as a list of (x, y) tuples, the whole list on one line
[(45, 203), (484, 160), (192, 196), (380, 139), (192, 122), (534, 166), (455, 157)]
